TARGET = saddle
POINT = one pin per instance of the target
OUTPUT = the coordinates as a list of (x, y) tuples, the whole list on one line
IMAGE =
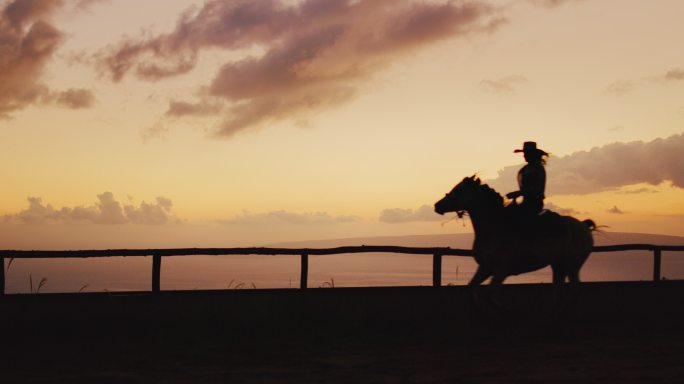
[(549, 224), (545, 224)]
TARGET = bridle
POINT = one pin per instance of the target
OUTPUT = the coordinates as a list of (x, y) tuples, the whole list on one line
[(461, 212)]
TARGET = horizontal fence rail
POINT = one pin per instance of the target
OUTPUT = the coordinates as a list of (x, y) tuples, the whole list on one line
[(234, 251), (437, 254)]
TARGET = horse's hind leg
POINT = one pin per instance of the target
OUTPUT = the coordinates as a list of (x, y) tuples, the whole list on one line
[(497, 279), (480, 276), (558, 284), (565, 295), (558, 276), (574, 285)]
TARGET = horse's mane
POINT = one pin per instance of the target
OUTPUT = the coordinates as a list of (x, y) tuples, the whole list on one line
[(491, 194)]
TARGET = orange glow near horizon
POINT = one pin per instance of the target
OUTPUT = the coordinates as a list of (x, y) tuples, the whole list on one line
[(277, 134)]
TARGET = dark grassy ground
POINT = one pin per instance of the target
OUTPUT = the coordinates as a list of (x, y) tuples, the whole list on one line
[(608, 332)]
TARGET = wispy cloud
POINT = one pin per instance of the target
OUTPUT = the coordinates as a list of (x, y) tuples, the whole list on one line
[(285, 217), (317, 53), (609, 167), (84, 5), (28, 41), (674, 75), (623, 87), (74, 98), (403, 215), (562, 210), (504, 85), (619, 88), (638, 191), (552, 3), (107, 210)]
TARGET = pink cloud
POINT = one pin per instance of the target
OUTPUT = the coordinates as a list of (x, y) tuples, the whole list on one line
[(609, 167), (107, 211), (552, 3), (317, 53), (28, 41)]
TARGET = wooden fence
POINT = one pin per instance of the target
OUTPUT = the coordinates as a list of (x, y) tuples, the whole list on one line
[(157, 254)]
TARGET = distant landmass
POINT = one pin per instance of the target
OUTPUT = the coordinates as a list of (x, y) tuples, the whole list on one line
[(465, 240), (415, 269), (343, 270)]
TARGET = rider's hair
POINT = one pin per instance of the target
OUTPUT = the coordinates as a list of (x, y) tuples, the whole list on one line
[(538, 157)]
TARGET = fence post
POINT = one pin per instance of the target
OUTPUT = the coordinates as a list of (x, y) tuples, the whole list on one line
[(656, 264), (436, 270), (304, 273), (156, 272), (2, 275)]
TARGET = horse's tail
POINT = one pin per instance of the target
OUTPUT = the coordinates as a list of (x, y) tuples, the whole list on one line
[(590, 224)]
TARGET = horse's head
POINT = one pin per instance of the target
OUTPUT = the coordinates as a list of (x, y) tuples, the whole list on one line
[(461, 198)]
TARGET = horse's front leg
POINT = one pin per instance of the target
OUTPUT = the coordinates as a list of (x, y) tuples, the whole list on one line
[(480, 276), (495, 306)]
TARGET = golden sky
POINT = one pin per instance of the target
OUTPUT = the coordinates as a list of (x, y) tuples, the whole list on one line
[(214, 123)]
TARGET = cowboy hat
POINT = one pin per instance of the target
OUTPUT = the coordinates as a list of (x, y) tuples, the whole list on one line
[(529, 147)]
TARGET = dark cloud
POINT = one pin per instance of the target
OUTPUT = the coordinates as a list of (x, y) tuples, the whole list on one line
[(107, 210), (615, 210), (609, 167), (281, 216), (504, 85), (402, 215), (28, 41), (317, 53), (20, 13)]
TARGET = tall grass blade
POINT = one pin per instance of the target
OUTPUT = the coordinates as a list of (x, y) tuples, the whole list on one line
[(42, 282)]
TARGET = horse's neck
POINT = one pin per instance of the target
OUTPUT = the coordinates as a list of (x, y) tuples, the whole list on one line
[(486, 221)]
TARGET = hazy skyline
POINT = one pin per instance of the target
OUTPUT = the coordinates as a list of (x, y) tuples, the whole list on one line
[(214, 123)]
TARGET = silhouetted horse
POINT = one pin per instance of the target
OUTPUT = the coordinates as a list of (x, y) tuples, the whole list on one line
[(503, 247)]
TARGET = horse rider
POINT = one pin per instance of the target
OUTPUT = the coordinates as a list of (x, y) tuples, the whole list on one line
[(531, 180)]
